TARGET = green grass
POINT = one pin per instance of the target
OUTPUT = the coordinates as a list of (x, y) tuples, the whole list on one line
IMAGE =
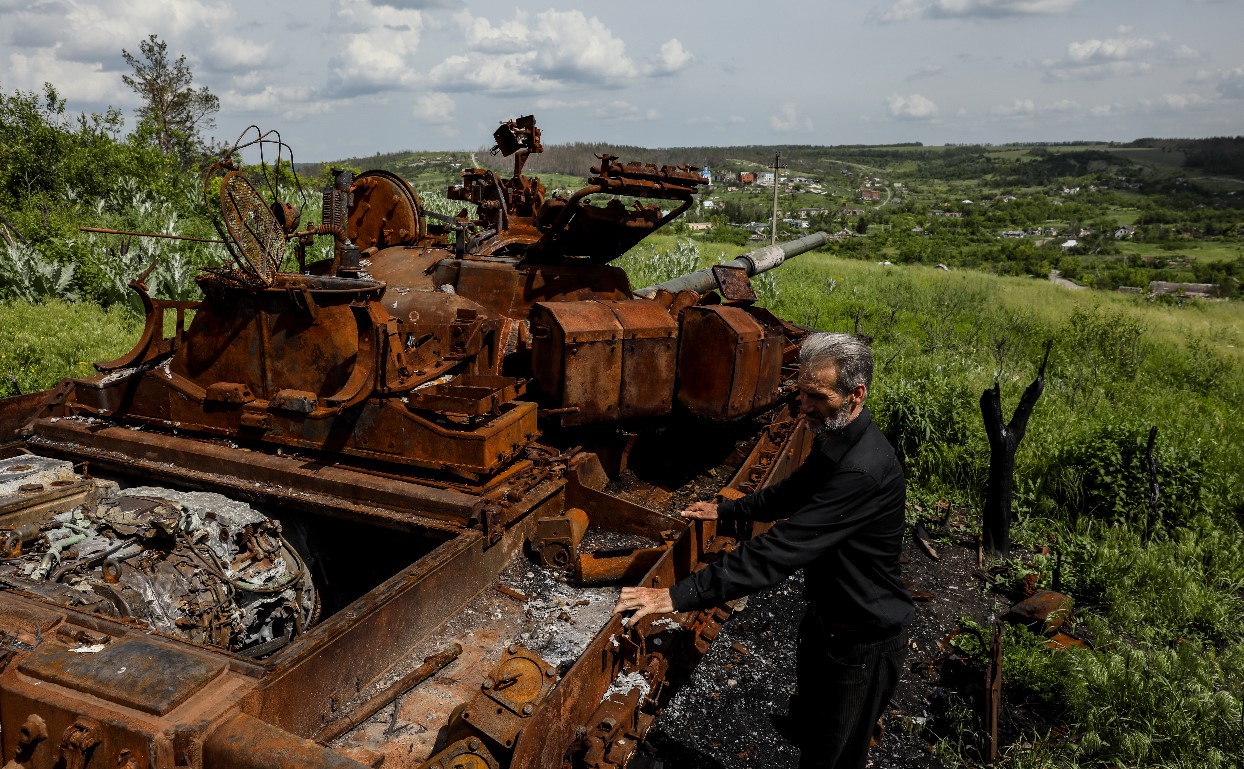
[(1162, 686), (1195, 250), (43, 343)]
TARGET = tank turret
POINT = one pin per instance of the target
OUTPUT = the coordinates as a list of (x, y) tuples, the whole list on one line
[(451, 343)]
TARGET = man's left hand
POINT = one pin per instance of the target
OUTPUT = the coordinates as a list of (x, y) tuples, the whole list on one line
[(644, 601)]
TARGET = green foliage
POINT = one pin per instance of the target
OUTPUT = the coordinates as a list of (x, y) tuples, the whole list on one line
[(44, 342), (931, 431), (1152, 706), (173, 112), (648, 265), (26, 275), (1185, 586), (1104, 476)]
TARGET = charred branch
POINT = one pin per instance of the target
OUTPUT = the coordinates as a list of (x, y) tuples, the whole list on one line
[(1004, 439), (1155, 492)]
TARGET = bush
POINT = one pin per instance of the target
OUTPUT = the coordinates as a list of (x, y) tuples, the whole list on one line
[(930, 423), (1105, 477)]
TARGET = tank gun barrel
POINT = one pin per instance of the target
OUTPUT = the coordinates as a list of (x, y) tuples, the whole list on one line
[(755, 262)]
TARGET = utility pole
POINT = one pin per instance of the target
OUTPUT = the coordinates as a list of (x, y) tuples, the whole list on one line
[(773, 225)]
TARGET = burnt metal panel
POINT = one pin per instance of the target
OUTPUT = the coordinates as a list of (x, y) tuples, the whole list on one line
[(577, 358), (724, 367), (138, 673), (649, 358)]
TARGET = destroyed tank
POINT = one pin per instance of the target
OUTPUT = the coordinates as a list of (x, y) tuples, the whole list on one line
[(413, 473)]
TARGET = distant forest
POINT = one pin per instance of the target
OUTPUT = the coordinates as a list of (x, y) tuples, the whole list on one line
[(1217, 155)]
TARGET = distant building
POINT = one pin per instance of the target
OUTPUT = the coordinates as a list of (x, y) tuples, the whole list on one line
[(747, 177), (870, 195), (699, 226)]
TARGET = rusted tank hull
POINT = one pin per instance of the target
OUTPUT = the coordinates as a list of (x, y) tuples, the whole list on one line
[(155, 702)]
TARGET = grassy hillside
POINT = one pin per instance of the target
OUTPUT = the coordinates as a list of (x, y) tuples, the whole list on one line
[(1160, 598)]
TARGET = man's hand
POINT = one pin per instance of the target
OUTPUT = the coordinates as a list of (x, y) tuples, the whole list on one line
[(701, 511), (644, 601)]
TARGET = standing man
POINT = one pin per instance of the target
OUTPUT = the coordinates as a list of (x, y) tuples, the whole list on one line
[(841, 522)]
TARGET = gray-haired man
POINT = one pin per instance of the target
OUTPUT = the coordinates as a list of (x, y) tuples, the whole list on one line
[(841, 521)]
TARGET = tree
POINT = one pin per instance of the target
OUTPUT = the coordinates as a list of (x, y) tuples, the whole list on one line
[(173, 112)]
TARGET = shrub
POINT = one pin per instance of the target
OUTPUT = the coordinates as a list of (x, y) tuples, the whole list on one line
[(1105, 476)]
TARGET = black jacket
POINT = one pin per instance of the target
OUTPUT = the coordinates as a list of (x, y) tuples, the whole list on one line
[(843, 511)]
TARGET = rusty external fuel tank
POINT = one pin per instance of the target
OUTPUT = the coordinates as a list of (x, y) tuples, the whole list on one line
[(413, 473)]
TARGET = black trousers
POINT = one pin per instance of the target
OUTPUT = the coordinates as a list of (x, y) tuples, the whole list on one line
[(845, 683)]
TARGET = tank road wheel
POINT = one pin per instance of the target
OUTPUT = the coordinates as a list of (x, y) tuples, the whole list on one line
[(384, 212)]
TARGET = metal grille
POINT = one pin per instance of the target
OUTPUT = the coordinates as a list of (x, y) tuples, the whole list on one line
[(255, 231)]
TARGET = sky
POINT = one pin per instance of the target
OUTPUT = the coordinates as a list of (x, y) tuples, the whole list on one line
[(342, 78)]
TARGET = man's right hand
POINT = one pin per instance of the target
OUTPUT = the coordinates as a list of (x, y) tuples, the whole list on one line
[(701, 511)]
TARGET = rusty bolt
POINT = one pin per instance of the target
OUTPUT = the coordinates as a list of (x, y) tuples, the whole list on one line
[(487, 684), (473, 745), (33, 731), (513, 649), (30, 488), (527, 709)]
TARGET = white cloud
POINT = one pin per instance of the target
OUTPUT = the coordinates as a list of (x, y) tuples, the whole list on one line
[(235, 54), (1020, 107), (417, 5), (1023, 108), (623, 110), (435, 108), (290, 102), (547, 51), (1099, 58), (545, 102), (905, 10), (1108, 50), (670, 59), (788, 120), (1179, 102), (1231, 84), (77, 46), (378, 51), (484, 37), (1166, 104), (75, 81), (913, 107), (494, 74)]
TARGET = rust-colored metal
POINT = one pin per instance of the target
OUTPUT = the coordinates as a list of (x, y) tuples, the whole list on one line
[(430, 667), (557, 537), (993, 694), (416, 412), (626, 565), (104, 231)]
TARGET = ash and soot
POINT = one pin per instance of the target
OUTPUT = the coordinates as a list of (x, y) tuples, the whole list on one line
[(720, 719)]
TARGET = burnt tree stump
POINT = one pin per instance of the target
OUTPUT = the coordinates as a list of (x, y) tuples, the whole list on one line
[(1004, 439), (1155, 491)]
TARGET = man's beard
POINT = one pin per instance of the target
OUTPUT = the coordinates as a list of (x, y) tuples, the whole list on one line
[(833, 424)]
